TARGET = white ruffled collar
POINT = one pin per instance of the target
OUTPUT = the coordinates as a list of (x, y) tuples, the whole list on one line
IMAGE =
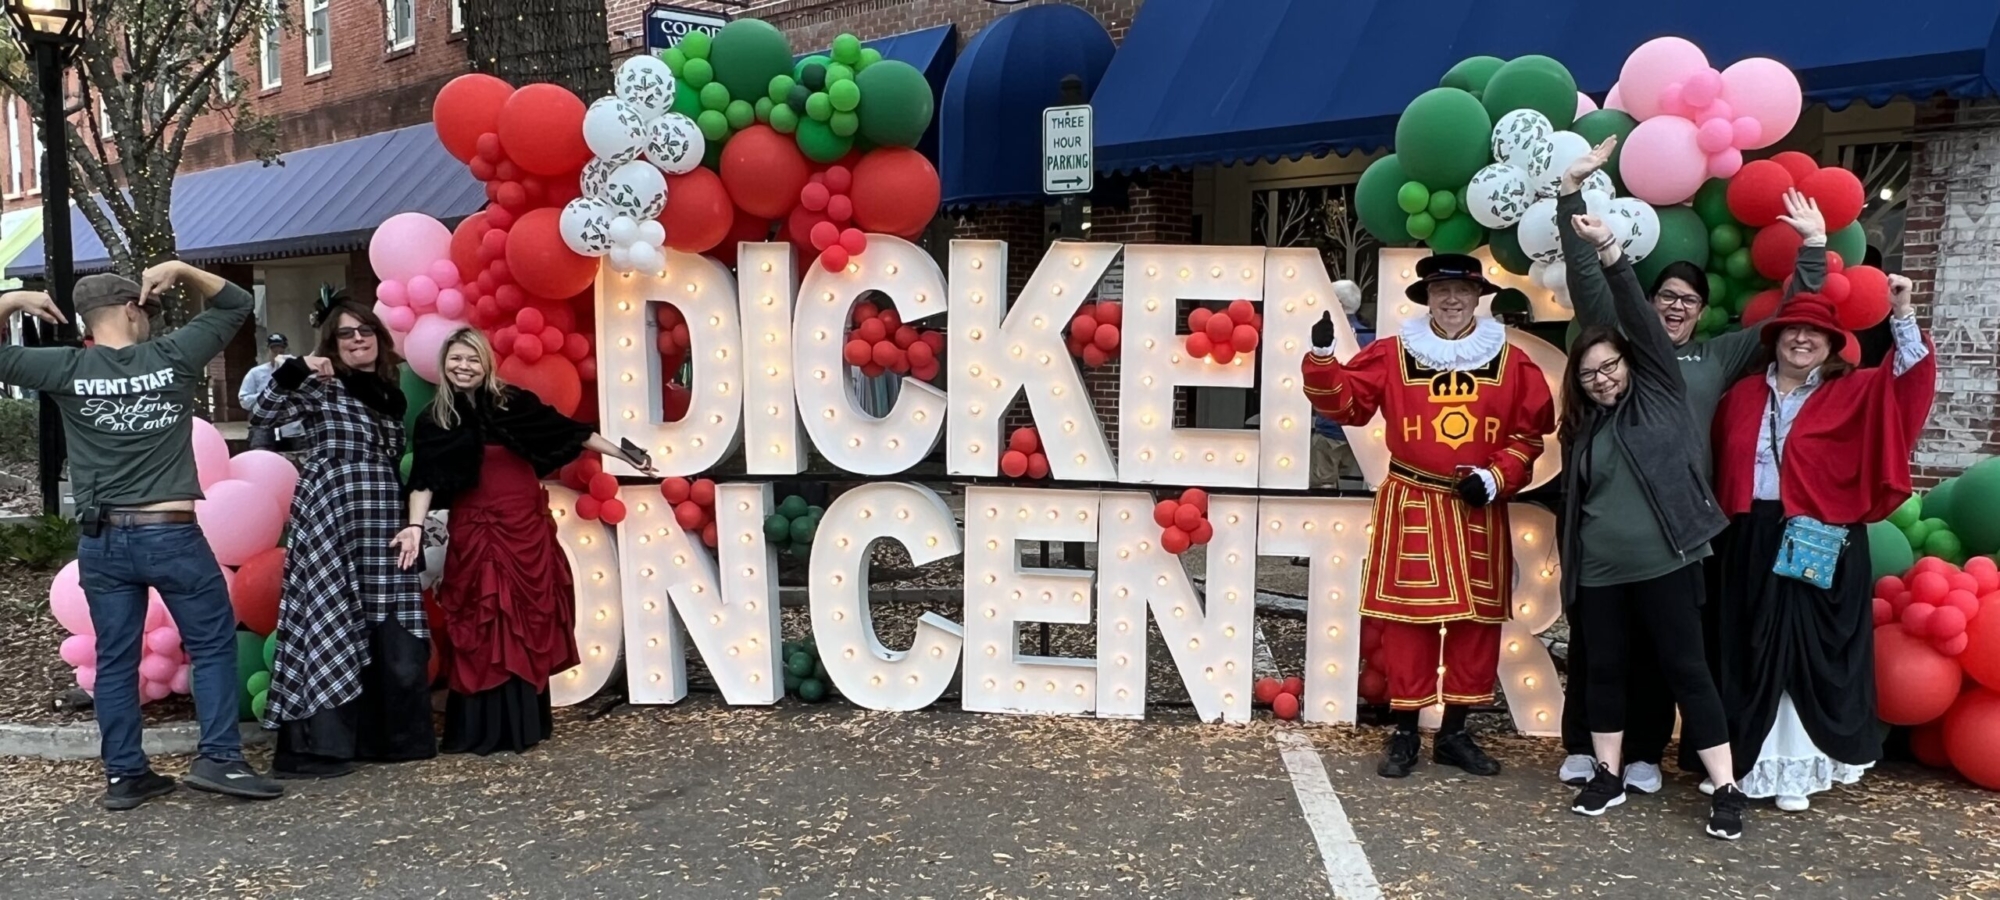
[(1441, 353)]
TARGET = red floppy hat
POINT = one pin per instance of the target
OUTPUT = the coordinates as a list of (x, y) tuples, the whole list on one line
[(1811, 310)]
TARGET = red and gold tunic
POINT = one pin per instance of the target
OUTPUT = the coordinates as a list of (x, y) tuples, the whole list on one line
[(1477, 402)]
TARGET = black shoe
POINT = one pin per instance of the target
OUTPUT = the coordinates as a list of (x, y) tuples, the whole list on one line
[(1725, 813), (1457, 749), (313, 772), (1399, 754), (128, 791), (234, 778), (1603, 791)]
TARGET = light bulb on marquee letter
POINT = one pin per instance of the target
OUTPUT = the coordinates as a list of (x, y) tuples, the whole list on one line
[(772, 441), (854, 440), (673, 587), (1156, 277), (1000, 596), (630, 383), (867, 673), (1022, 347), (1210, 637), (1527, 674), (593, 564), (1296, 293), (1332, 534)]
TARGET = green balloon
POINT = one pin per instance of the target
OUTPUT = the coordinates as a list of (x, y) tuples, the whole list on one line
[(896, 103), (1718, 289), (675, 59), (1711, 202), (838, 73), (270, 650), (258, 704), (820, 60), (847, 49), (714, 96), (780, 88), (792, 682), (259, 682), (1472, 73), (818, 142), (1510, 300), (1443, 204), (1570, 334), (1458, 234), (1442, 136), (741, 115), (1889, 552), (711, 157), (417, 396), (695, 44), (1739, 264), (1946, 546), (1375, 201), (1909, 513), (698, 73), (793, 507), (687, 98), (816, 511), (1937, 501), (844, 124), (1725, 238), (777, 527), (1975, 507), (1506, 246), (819, 107), (1850, 242), (783, 120), (1421, 226), (764, 107), (1917, 533), (869, 57), (803, 529), (404, 465), (1596, 126), (845, 95), (747, 54), (800, 664), (249, 661), (1683, 237), (714, 126), (1714, 318), (1413, 198), (1532, 82), (812, 690)]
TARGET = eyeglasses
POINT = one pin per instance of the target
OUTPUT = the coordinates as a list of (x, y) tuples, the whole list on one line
[(1606, 372), (353, 331), (1676, 298)]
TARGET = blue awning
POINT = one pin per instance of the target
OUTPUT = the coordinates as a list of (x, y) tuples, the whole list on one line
[(931, 51), (1215, 81), (991, 118), (324, 199)]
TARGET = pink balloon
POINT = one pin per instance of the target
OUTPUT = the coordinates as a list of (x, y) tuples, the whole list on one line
[(211, 454), (1650, 69), (66, 600), (1672, 103), (1661, 162), (1584, 105), (398, 319), (423, 293), (451, 303), (1714, 135), (179, 683), (271, 473), (406, 245), (86, 679), (1725, 163), (150, 691), (392, 294), (240, 520), (1701, 88), (1763, 89), (444, 273), (1747, 132), (1614, 100), (426, 342), (163, 640), (1717, 110), (156, 667), (156, 610), (79, 650)]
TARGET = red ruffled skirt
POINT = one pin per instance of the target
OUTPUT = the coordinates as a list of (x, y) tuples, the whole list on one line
[(509, 605)]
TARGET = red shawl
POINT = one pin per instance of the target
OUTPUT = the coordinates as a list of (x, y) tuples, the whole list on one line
[(1847, 458)]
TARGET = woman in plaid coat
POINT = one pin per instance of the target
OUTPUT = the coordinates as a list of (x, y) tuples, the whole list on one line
[(350, 678)]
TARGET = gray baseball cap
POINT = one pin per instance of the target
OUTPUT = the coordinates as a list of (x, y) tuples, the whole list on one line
[(95, 292)]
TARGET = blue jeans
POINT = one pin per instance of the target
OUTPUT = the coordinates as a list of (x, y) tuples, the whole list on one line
[(117, 567)]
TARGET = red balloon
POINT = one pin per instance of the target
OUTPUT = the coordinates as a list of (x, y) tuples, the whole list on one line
[(1946, 623), (813, 196), (488, 146), (1110, 312), (552, 378), (834, 258), (1888, 586), (528, 347), (840, 208), (1834, 263), (611, 511), (465, 242), (1264, 690), (702, 491), (921, 353), (1197, 498), (468, 108), (689, 515), (1084, 325), (1038, 464), (884, 353), (1981, 658), (764, 171), (1293, 685), (1761, 306), (1929, 587), (857, 352), (824, 235), (675, 490), (1014, 463), (1243, 338), (539, 260), (1883, 611), (1962, 581), (1971, 731), (1220, 328), (904, 337), (1799, 165), (552, 339), (1241, 310), (1094, 356), (709, 535), (586, 370), (1757, 193), (1106, 338), (1203, 532), (1197, 320), (745, 228), (1285, 706), (1374, 686), (1198, 345), (500, 218), (1164, 512), (576, 347), (1222, 353), (1913, 682), (1927, 744), (1174, 540), (1025, 439), (529, 320), (1187, 517), (936, 342), (1916, 618), (253, 593), (541, 126), (895, 191), (854, 240), (587, 507), (1775, 251), (698, 214), (891, 319), (1836, 289), (838, 178), (1867, 301), (603, 486)]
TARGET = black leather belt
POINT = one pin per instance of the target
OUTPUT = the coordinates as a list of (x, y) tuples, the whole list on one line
[(131, 518), (1419, 476)]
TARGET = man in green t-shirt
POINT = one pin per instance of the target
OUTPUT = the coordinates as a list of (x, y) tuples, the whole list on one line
[(127, 404)]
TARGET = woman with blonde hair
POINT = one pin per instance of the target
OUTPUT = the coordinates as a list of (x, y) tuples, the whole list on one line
[(481, 450)]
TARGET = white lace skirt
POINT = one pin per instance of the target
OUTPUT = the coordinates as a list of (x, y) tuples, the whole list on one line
[(1790, 766)]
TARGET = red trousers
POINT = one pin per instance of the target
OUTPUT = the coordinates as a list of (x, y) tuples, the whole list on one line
[(1455, 663)]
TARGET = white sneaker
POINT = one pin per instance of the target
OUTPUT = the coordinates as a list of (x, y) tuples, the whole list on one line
[(1708, 787), (1792, 803), (1577, 769), (1642, 777)]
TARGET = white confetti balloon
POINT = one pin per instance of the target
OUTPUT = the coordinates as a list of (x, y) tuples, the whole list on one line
[(614, 130), (647, 258), (1498, 195), (1600, 181), (586, 226), (620, 259), (1537, 232), (1566, 146), (637, 189), (652, 232), (624, 229), (676, 145), (595, 174), (1554, 277), (645, 82), (1521, 140), (1641, 223)]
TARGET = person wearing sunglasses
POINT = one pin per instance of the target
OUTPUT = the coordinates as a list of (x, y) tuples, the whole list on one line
[(1638, 516), (349, 680), (1679, 296)]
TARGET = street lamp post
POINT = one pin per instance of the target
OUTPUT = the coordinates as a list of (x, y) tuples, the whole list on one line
[(50, 30)]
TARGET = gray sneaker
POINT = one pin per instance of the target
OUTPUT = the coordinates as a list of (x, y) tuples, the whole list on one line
[(1643, 777), (234, 778)]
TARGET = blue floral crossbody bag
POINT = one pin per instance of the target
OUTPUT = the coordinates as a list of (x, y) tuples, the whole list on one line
[(1810, 548)]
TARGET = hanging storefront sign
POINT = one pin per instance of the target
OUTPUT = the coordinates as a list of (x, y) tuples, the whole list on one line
[(666, 25)]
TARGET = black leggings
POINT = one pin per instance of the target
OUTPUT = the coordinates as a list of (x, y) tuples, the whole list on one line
[(1667, 611)]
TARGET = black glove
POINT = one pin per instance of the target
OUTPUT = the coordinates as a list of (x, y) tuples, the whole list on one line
[(1472, 489), (1322, 333)]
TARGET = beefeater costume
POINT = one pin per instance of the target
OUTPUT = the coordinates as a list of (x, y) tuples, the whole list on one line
[(1464, 420)]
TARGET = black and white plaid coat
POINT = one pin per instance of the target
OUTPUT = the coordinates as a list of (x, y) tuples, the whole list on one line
[(340, 571)]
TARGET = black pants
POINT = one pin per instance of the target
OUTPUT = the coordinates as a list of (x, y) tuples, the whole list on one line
[(1649, 706), (1657, 623)]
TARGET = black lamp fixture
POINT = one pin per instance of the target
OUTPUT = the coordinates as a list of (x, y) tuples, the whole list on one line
[(56, 23)]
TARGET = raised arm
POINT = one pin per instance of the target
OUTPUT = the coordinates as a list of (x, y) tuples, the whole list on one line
[(1651, 354), (1589, 294), (1347, 393), (228, 307), (36, 368), (1737, 350), (296, 388)]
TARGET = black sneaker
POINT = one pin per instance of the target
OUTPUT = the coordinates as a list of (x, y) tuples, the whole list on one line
[(1603, 791), (1399, 754), (234, 778), (1725, 813), (128, 791), (1458, 749)]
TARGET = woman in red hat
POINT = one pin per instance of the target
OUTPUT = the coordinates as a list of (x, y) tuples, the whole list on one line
[(1805, 454)]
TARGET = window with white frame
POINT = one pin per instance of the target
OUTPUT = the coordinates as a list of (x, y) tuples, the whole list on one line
[(270, 43), (401, 29), (13, 147), (457, 16), (225, 74), (35, 135), (319, 36)]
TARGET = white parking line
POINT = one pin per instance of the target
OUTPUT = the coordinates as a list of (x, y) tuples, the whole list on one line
[(1347, 868)]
